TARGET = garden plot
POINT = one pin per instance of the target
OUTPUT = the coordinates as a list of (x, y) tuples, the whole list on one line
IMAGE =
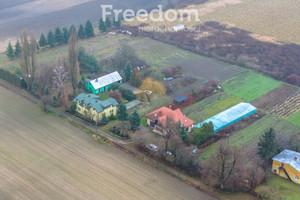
[(288, 107), (274, 97)]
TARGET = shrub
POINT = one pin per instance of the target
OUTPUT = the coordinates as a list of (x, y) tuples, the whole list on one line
[(128, 95)]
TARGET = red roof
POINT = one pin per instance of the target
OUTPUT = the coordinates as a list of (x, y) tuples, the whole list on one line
[(163, 113)]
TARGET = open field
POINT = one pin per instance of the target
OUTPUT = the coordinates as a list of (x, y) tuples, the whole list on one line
[(275, 22), (205, 109), (156, 54), (43, 157), (247, 138), (270, 21), (249, 85), (278, 188)]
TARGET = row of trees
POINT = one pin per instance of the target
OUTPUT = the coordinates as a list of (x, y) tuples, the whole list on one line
[(13, 52), (106, 24), (61, 37)]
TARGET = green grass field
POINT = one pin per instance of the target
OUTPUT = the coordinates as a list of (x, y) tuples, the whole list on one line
[(249, 85), (295, 118), (206, 109), (278, 188), (247, 138)]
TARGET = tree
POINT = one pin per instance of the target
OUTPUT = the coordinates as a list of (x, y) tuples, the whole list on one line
[(154, 86), (51, 39), (183, 133), (73, 60), (116, 22), (66, 35), (122, 113), (102, 26), (58, 36), (116, 95), (293, 79), (10, 51), (107, 23), (60, 80), (28, 58), (222, 166), (73, 108), (17, 49), (135, 121), (104, 120), (170, 128), (267, 146), (89, 29), (43, 41), (46, 91), (128, 95), (88, 62), (127, 71), (203, 133), (81, 32)]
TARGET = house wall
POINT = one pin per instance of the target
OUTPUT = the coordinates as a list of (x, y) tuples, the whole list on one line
[(293, 173), (93, 113), (90, 88)]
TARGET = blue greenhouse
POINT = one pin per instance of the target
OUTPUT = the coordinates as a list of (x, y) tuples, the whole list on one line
[(230, 116)]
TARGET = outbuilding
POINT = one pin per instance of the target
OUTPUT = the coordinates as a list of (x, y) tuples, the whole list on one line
[(103, 83)]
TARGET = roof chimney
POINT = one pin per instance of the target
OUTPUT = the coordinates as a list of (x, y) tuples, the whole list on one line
[(160, 113)]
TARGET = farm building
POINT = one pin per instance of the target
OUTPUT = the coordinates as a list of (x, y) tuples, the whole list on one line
[(103, 83), (90, 106), (160, 118), (287, 165), (230, 116), (178, 27)]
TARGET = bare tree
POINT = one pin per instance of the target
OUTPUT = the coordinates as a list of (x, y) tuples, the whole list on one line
[(60, 80), (73, 60), (28, 58), (171, 128), (221, 167)]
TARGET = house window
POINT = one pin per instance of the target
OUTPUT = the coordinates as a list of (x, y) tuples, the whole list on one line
[(79, 109), (275, 171), (296, 178), (111, 111), (187, 129)]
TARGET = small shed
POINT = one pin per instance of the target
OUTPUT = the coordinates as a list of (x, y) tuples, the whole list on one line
[(180, 99)]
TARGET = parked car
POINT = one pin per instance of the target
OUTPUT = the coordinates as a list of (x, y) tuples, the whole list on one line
[(152, 147)]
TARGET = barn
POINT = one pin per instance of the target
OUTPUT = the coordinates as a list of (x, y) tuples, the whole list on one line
[(230, 116)]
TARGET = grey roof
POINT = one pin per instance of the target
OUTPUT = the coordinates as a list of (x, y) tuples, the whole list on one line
[(180, 99), (289, 157), (93, 101), (106, 80)]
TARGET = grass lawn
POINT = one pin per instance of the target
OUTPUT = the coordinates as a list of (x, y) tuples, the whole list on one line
[(295, 118), (205, 108), (247, 138), (249, 85), (104, 96), (279, 188)]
